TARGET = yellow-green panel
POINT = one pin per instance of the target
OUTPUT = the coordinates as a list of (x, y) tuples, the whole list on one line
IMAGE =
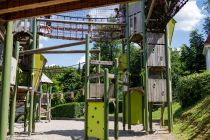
[(123, 62), (96, 120), (40, 61), (136, 108), (170, 26)]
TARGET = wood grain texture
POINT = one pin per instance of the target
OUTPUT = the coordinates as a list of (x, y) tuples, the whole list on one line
[(157, 90), (15, 9)]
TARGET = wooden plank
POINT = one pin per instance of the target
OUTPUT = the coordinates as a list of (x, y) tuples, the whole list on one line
[(13, 71), (79, 22), (97, 75), (57, 8), (156, 52), (157, 90), (17, 5), (97, 62), (111, 76)]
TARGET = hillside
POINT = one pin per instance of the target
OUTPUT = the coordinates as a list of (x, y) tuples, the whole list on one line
[(193, 122), (190, 123)]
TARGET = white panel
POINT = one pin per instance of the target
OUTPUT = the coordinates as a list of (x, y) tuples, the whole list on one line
[(208, 60), (13, 71)]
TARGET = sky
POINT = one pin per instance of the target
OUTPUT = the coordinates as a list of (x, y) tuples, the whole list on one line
[(190, 17)]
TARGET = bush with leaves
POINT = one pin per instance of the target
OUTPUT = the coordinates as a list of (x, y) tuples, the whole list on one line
[(192, 88), (57, 100), (70, 110)]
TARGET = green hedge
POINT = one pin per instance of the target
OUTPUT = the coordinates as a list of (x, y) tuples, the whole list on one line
[(192, 88), (70, 110)]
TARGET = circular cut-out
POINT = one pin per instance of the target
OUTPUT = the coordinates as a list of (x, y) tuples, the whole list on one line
[(95, 108), (98, 122), (92, 116)]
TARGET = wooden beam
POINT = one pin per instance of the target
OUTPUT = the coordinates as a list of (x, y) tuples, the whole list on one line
[(52, 48), (79, 22), (150, 10), (60, 8), (67, 52), (17, 5)]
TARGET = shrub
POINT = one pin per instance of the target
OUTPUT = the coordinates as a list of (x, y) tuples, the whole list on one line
[(70, 110), (192, 88), (57, 100)]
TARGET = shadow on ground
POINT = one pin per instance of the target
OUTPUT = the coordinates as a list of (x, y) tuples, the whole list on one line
[(78, 134), (73, 134)]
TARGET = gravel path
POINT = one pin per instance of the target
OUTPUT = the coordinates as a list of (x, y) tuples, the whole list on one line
[(74, 130)]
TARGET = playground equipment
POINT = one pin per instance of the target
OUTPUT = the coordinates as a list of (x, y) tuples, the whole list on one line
[(45, 98), (154, 15), (98, 96)]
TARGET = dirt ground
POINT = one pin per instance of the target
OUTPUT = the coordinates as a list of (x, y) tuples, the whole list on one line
[(74, 130)]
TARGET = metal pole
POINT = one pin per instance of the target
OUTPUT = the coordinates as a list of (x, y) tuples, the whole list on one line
[(106, 104), (116, 91), (40, 101), (26, 111), (50, 102), (168, 81), (13, 102), (99, 66), (128, 52), (6, 73), (87, 83), (145, 67), (32, 79), (123, 106)]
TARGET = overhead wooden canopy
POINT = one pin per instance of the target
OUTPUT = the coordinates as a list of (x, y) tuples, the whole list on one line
[(159, 12), (17, 9)]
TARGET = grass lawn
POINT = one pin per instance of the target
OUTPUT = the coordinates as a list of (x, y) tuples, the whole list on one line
[(190, 123)]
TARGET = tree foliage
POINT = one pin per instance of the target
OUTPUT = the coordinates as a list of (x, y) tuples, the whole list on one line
[(64, 79), (176, 68), (192, 56)]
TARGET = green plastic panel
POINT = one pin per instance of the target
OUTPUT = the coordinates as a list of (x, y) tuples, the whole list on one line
[(40, 62), (96, 120), (123, 62), (136, 108), (171, 25)]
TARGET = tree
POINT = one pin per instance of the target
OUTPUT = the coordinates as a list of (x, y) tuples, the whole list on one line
[(177, 68), (192, 56), (206, 9), (71, 80), (206, 25)]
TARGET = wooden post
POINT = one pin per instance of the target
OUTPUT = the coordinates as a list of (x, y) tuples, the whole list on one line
[(106, 104), (150, 116), (13, 102), (6, 73), (32, 80), (116, 92), (123, 104), (145, 67), (128, 53), (168, 81), (87, 83)]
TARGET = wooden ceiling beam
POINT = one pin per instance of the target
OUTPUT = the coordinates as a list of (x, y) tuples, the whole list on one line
[(60, 8), (20, 5)]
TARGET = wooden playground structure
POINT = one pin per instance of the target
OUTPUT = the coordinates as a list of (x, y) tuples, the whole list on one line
[(150, 26)]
